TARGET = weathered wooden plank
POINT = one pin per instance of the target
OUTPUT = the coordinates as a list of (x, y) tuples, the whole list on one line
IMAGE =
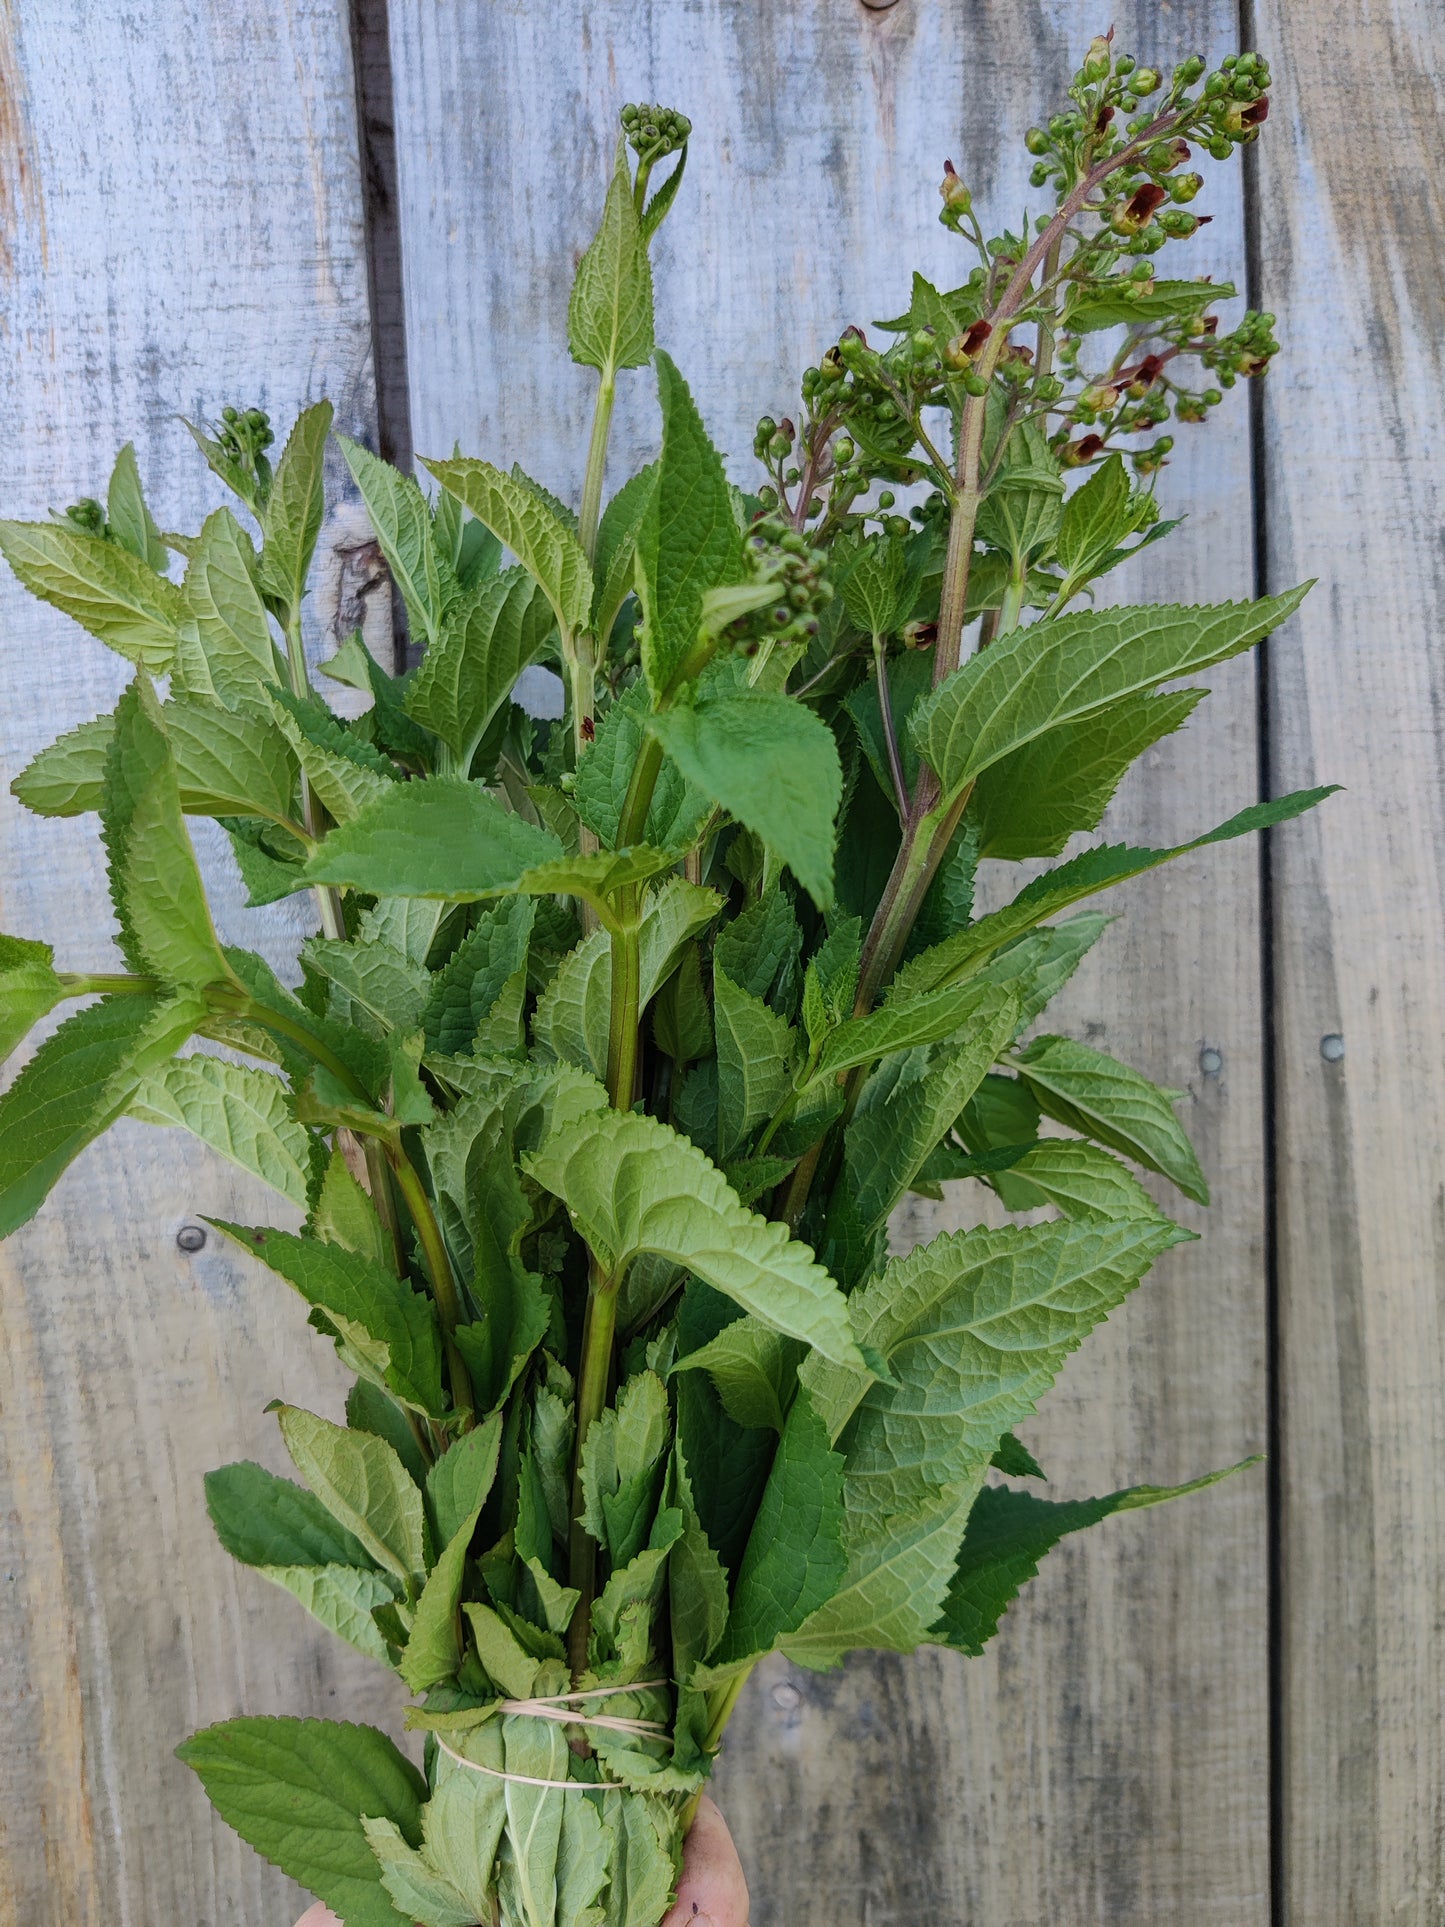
[(1351, 226), (1108, 1763), (180, 227)]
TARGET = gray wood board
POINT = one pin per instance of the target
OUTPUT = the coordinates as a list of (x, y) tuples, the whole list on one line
[(1108, 1761), (1352, 215), (181, 229)]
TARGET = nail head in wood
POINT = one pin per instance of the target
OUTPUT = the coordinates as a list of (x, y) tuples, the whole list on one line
[(879, 6), (191, 1238), (1211, 1061), (1332, 1047)]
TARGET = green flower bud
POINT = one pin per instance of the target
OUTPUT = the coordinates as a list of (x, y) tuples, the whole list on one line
[(1184, 187), (956, 197), (1145, 80), (1036, 141), (843, 451), (1097, 60)]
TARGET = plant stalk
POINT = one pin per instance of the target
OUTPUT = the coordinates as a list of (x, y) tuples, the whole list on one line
[(594, 1381), (444, 1284)]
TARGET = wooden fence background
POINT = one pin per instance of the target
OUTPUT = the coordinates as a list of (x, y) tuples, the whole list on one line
[(1229, 1712)]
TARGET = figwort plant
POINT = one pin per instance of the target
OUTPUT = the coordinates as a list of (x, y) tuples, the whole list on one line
[(623, 1036)]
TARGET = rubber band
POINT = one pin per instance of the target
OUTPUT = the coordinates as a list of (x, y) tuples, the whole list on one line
[(553, 1707)]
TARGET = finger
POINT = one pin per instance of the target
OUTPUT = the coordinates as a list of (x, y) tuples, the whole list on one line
[(713, 1890), (318, 1916)]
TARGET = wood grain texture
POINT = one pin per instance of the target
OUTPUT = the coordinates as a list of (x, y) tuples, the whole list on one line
[(1107, 1763), (1352, 225), (180, 227)]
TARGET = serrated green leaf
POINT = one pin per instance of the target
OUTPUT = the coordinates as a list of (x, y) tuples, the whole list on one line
[(897, 1027), (67, 778), (771, 764), (756, 1053), (689, 542), (228, 763), (697, 1582), (420, 1893), (573, 1013), (622, 1466), (1096, 516), (795, 1556), (880, 586), (129, 520), (434, 1651), (759, 949), (165, 920), (1030, 803), (965, 954), (111, 593), (1081, 1179), (1010, 1532), (1094, 1094), (467, 674), (402, 523), (342, 1599), (1053, 672), (265, 1521), (1014, 1459), (239, 1111), (678, 808), (297, 1791), (345, 773), (295, 507), (364, 1485), (383, 981), (29, 990), (520, 518), (444, 837), (897, 1125), (754, 1369), (466, 992), (617, 538), (632, 1185), (1124, 302), (76, 1085), (458, 1483), (343, 1214), (234, 656), (464, 1819), (1037, 966), (974, 1328), (348, 1286), (609, 315)]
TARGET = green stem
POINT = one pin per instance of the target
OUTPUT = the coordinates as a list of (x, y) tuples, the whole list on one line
[(328, 898), (626, 1012), (378, 1173), (287, 1026), (1012, 606), (590, 513), (594, 1380), (85, 983), (444, 1284)]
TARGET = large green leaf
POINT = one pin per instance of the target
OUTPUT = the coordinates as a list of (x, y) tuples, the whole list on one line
[(345, 773), (468, 990), (1101, 1098), (677, 809), (352, 1290), (965, 954), (753, 1367), (1010, 1532), (343, 1600), (690, 541), (129, 520), (769, 762), (632, 1186), (522, 520), (795, 1556), (295, 508), (364, 1486), (466, 675), (298, 1790), (76, 1085), (897, 1027), (1030, 803), (232, 657), (265, 1521), (29, 989), (434, 1650), (697, 1583), (609, 317), (617, 536), (444, 837), (1082, 1180), (900, 1119), (101, 585), (622, 1466), (402, 522), (1126, 302), (974, 1328), (459, 1481), (756, 1052), (164, 917), (239, 1111), (67, 778), (1054, 672)]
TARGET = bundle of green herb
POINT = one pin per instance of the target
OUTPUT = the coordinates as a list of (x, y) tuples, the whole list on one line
[(624, 1036)]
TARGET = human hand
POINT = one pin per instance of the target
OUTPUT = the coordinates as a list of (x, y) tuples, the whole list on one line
[(713, 1890)]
